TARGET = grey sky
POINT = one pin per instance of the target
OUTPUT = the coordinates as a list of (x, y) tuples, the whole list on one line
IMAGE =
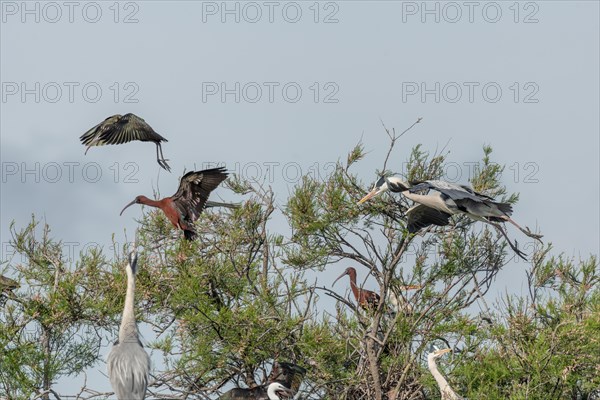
[(370, 62)]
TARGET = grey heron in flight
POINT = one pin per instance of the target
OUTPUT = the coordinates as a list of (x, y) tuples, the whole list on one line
[(128, 363), (270, 392), (445, 389), (443, 199), (119, 129)]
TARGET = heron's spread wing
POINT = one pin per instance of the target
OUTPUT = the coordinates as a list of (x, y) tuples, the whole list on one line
[(128, 367), (194, 189), (449, 190), (119, 129), (484, 208), (421, 216)]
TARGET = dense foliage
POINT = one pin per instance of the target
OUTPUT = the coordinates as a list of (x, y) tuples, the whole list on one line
[(243, 295)]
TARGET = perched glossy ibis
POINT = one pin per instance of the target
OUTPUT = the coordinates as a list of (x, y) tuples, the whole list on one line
[(366, 298), (128, 363), (186, 205), (448, 199), (121, 129), (445, 389)]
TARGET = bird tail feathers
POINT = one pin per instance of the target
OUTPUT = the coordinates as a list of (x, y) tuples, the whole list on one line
[(217, 204), (505, 208)]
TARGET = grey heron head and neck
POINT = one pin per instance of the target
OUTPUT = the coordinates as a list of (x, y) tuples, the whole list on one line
[(274, 388), (392, 183)]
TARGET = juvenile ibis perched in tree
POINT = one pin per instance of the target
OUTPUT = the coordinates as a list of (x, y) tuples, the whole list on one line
[(128, 363), (445, 389), (121, 129), (438, 200), (186, 205), (367, 299)]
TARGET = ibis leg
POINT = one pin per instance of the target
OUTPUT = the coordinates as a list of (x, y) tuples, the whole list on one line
[(161, 159)]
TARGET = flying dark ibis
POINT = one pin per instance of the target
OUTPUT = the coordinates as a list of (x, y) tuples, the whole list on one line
[(367, 299), (120, 129), (186, 205), (438, 200)]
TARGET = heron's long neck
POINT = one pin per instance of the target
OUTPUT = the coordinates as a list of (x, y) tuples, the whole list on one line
[(271, 394), (434, 201), (441, 381), (128, 327)]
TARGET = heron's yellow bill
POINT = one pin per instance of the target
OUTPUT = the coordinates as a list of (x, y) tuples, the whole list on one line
[(368, 196)]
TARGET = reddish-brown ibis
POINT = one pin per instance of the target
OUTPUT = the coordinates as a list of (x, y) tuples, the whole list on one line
[(186, 205), (122, 129), (366, 298)]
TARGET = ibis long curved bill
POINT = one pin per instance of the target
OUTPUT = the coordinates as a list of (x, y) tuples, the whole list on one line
[(339, 277), (366, 298), (130, 204)]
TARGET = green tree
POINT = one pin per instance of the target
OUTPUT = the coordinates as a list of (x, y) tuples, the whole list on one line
[(225, 307)]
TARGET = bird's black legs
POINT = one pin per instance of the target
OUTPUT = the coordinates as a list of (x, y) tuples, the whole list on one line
[(512, 246), (525, 231), (161, 159)]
